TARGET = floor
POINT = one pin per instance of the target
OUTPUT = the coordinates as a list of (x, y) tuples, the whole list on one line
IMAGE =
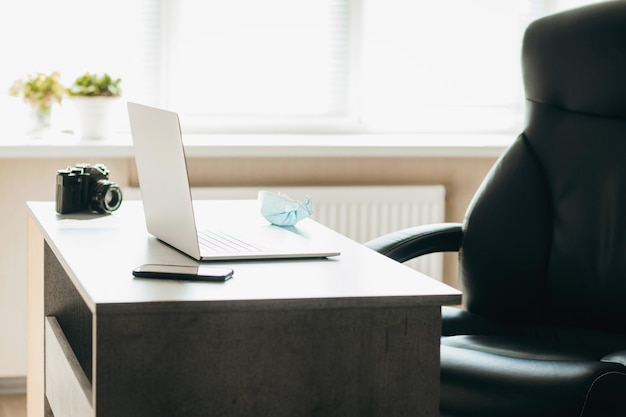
[(13, 405)]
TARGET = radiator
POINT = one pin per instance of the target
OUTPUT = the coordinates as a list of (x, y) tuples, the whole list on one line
[(358, 212)]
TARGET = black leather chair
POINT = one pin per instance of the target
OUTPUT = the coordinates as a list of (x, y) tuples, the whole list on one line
[(542, 250)]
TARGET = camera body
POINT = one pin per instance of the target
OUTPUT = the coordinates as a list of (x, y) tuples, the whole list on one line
[(86, 187)]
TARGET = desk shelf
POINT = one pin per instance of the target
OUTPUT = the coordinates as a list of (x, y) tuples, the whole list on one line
[(67, 388)]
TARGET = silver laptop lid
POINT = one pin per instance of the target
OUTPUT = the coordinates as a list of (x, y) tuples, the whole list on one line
[(163, 178)]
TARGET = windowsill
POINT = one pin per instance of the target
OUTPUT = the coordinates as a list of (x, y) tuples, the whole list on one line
[(274, 146)]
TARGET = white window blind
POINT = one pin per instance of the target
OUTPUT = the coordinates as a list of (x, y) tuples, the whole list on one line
[(249, 63), (289, 65), (76, 36), (119, 37), (451, 65)]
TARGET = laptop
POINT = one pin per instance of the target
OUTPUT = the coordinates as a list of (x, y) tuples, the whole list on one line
[(170, 210)]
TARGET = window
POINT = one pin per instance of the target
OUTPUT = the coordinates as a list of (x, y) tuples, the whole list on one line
[(290, 65), (271, 64), (76, 36), (448, 65)]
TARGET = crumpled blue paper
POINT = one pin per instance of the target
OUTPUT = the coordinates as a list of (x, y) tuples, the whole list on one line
[(281, 210)]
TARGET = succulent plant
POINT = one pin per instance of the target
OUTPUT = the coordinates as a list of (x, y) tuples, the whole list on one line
[(94, 85), (39, 90)]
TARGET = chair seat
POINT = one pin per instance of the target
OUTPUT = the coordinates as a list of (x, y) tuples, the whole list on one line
[(508, 376), (520, 348)]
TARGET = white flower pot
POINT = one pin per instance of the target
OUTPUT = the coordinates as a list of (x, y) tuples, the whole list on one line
[(96, 119)]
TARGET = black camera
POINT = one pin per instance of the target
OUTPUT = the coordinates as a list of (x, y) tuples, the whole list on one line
[(86, 187)]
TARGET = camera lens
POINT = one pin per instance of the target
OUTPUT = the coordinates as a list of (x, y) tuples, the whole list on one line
[(112, 198), (107, 197)]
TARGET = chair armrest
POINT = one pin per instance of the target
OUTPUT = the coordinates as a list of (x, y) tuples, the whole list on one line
[(406, 244), (617, 357)]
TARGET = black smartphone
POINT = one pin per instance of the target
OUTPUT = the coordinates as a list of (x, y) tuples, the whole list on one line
[(183, 272)]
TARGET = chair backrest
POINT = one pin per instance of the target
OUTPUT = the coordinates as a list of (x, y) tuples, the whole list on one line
[(545, 236)]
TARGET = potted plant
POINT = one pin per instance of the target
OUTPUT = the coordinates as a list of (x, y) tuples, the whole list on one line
[(40, 92), (94, 97)]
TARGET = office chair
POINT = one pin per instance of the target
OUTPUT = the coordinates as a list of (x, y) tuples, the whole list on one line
[(542, 249)]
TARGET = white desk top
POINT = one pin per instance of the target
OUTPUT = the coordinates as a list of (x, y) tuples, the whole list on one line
[(99, 253)]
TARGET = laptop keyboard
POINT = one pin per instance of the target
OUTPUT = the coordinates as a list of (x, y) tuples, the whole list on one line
[(218, 242)]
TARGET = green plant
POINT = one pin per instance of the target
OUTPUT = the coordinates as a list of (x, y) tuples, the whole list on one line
[(39, 90), (93, 85)]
